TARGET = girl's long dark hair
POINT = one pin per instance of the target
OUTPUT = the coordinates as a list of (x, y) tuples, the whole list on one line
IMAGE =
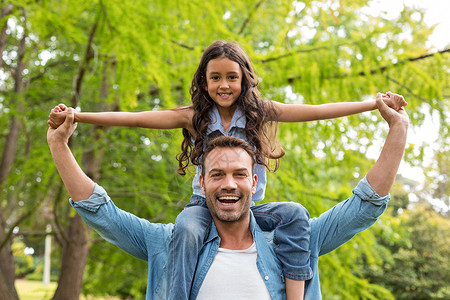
[(260, 131)]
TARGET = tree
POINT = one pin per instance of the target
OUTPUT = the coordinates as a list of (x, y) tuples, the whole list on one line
[(15, 41), (416, 267)]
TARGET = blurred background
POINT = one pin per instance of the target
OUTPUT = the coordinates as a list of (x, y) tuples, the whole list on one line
[(141, 55)]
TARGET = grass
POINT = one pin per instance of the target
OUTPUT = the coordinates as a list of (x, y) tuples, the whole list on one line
[(35, 290)]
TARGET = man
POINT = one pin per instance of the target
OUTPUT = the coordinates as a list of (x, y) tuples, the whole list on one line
[(228, 182)]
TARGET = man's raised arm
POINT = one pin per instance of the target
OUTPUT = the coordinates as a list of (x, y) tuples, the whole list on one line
[(78, 184), (382, 175)]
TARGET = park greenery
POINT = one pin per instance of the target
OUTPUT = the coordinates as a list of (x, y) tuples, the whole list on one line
[(134, 55)]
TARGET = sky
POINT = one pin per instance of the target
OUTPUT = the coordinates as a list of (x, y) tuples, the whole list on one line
[(436, 12)]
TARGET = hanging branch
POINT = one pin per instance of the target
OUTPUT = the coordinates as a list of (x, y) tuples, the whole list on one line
[(89, 55), (304, 51), (182, 45), (406, 88), (379, 69), (32, 233), (249, 16), (383, 68), (47, 67), (16, 223), (105, 14), (23, 217)]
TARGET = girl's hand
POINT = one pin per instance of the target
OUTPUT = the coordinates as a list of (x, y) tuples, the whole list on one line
[(391, 115), (57, 116), (394, 101)]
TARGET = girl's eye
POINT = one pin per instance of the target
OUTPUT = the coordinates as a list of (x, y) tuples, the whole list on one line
[(215, 77), (233, 77)]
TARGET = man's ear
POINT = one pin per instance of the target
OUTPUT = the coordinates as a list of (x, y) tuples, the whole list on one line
[(202, 183), (255, 180)]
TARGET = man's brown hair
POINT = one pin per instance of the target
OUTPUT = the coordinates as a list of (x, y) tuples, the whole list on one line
[(227, 142)]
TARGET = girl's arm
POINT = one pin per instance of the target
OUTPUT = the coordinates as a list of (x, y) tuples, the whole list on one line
[(162, 119), (306, 112)]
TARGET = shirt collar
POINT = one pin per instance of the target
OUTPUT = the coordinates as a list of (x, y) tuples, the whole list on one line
[(238, 120), (213, 234)]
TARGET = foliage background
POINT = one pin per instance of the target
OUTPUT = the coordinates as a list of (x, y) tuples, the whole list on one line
[(141, 55)]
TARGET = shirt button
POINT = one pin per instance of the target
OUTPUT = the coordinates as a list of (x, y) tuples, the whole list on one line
[(266, 278)]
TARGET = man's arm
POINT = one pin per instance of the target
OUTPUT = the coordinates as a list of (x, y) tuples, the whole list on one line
[(340, 223), (382, 175), (78, 184), (134, 235)]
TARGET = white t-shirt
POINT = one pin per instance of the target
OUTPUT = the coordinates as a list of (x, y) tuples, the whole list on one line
[(234, 275)]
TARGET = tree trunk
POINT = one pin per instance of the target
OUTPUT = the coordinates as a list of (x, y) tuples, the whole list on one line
[(74, 257), (7, 272), (9, 152), (7, 265)]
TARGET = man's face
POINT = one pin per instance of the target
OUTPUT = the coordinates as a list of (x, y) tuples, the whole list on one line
[(228, 184)]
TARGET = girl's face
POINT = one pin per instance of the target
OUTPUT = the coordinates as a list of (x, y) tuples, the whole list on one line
[(223, 81)]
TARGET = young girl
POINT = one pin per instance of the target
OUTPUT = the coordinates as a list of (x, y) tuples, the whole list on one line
[(226, 101)]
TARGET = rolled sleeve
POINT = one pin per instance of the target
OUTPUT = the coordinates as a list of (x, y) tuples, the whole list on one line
[(136, 236), (93, 203), (343, 221), (364, 191)]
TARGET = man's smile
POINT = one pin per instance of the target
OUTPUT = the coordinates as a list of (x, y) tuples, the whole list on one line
[(228, 200)]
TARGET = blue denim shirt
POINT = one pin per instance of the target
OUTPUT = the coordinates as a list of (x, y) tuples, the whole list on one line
[(150, 241), (237, 129)]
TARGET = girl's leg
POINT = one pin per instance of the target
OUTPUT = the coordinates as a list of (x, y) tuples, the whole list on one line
[(289, 220), (295, 289), (189, 232)]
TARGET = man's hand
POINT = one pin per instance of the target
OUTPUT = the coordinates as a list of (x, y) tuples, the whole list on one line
[(63, 131), (391, 114), (57, 116)]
